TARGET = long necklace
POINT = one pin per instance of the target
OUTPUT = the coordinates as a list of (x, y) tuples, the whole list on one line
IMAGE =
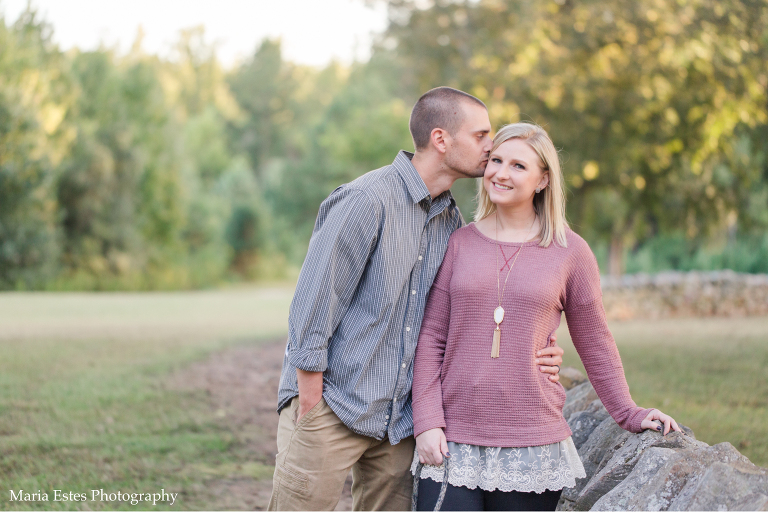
[(498, 313)]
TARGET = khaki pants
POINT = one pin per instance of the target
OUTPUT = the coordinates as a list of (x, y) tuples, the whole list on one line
[(314, 457)]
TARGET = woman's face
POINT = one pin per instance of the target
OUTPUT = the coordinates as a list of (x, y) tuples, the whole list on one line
[(514, 171)]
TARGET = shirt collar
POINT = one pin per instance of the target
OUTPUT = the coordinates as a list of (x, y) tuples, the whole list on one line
[(414, 184)]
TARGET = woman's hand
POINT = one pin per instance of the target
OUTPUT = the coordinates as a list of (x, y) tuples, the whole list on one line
[(550, 358), (668, 422), (431, 445)]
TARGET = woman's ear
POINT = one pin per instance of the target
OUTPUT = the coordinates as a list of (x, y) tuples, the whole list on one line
[(544, 180)]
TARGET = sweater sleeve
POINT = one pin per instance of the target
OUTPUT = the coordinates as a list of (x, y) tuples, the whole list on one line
[(594, 342), (428, 364)]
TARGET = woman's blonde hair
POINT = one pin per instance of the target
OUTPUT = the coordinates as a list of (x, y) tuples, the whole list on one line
[(549, 204)]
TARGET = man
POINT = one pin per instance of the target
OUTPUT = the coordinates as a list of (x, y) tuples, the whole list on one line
[(344, 397)]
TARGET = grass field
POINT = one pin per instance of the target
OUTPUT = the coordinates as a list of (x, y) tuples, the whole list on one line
[(84, 402)]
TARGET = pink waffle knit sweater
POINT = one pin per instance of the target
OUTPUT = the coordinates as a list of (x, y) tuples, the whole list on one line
[(507, 401)]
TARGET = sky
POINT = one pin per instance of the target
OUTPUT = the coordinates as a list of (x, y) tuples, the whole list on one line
[(313, 32)]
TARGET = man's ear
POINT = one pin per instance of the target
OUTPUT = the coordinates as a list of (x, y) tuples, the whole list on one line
[(439, 139)]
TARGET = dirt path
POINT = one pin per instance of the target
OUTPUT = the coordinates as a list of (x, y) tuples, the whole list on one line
[(241, 384)]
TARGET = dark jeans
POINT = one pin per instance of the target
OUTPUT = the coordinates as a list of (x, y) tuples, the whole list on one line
[(462, 498)]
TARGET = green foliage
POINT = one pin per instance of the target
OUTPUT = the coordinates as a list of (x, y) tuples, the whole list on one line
[(102, 178), (265, 89), (136, 172), (362, 128), (747, 253), (118, 172), (34, 98), (657, 106)]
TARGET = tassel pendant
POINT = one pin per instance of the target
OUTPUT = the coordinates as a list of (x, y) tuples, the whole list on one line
[(498, 317), (496, 342)]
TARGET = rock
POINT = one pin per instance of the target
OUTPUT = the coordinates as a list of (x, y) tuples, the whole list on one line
[(675, 294), (570, 377), (687, 431), (583, 423), (649, 465), (606, 438), (693, 477), (729, 487), (578, 398), (596, 406), (623, 459), (648, 471)]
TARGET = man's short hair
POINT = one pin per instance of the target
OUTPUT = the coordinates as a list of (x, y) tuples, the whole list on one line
[(438, 108)]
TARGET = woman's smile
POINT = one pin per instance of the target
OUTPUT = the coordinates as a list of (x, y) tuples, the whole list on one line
[(500, 187)]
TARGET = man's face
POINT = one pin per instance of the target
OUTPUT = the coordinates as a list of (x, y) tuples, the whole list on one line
[(468, 149)]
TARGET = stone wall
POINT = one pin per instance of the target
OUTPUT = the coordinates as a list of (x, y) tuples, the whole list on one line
[(649, 471), (679, 294)]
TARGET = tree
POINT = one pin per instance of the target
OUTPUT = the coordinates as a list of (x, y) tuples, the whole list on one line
[(265, 89), (34, 99), (119, 189), (646, 99), (361, 128)]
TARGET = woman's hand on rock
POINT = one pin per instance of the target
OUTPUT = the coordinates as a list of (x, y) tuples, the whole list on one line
[(431, 445), (667, 421)]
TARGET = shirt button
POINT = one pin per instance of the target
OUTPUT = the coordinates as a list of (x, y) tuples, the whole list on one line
[(387, 416), (403, 365), (408, 329), (420, 258), (413, 292)]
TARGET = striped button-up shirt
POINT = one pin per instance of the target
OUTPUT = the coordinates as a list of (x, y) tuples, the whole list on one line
[(356, 313)]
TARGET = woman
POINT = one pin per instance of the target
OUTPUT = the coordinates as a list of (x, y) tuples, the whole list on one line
[(498, 296)]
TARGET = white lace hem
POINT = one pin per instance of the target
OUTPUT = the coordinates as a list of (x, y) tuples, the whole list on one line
[(534, 469)]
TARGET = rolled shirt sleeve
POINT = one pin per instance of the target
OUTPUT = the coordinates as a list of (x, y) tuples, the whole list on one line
[(343, 239)]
